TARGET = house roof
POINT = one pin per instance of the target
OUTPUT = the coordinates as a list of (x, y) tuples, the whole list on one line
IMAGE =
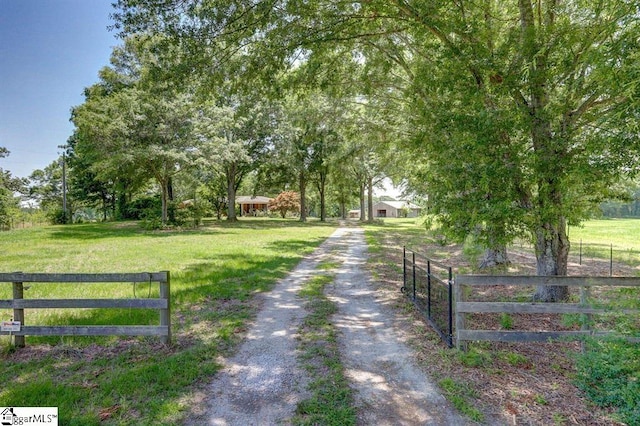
[(258, 199), (399, 204)]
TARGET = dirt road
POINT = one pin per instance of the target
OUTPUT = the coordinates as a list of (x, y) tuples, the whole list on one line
[(262, 383)]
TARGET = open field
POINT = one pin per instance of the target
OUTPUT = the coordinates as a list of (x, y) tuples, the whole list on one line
[(605, 238), (622, 233), (214, 273)]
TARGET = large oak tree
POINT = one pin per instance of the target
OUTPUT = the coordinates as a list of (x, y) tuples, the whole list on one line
[(522, 112)]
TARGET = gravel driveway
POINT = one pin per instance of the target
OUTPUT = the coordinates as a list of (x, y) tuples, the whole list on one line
[(262, 383)]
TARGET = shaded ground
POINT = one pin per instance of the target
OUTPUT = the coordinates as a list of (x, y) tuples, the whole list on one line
[(262, 383), (517, 384), (390, 388)]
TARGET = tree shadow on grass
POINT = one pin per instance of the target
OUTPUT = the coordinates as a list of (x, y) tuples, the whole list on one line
[(211, 302), (129, 229)]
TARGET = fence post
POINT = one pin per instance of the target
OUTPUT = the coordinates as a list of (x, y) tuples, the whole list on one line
[(580, 261), (450, 307), (414, 276), (611, 262), (429, 288), (586, 318), (18, 314), (460, 320), (165, 314), (404, 269)]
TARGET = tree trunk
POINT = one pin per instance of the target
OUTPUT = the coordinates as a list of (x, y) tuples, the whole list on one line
[(321, 190), (552, 243), (105, 205), (370, 200), (165, 195), (303, 197), (552, 252), (362, 202), (495, 256), (171, 213), (114, 204), (231, 193)]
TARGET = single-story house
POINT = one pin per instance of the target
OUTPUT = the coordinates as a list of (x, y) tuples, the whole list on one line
[(396, 209), (252, 206), (354, 214)]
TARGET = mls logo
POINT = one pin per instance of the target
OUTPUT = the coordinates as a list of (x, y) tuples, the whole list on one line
[(6, 417)]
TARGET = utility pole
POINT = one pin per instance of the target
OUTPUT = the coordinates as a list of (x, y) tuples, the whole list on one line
[(64, 182)]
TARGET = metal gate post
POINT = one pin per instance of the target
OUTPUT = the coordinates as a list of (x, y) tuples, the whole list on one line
[(429, 289), (450, 307), (404, 269), (414, 276)]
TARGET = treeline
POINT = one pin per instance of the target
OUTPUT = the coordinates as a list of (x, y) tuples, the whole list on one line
[(516, 118)]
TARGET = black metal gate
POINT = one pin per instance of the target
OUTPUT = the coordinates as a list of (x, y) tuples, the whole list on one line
[(429, 284)]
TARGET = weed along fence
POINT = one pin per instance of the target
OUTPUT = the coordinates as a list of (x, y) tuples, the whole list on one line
[(19, 328), (598, 296), (429, 284), (595, 304)]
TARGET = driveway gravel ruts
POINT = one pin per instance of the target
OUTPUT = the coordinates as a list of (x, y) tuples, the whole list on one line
[(262, 383)]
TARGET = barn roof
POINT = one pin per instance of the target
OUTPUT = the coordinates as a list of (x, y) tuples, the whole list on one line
[(400, 204)]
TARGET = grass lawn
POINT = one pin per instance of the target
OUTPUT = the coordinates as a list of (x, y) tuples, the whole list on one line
[(215, 271), (598, 237), (622, 233)]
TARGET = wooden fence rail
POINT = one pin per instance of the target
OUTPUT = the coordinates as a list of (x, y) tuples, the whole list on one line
[(464, 307), (18, 303)]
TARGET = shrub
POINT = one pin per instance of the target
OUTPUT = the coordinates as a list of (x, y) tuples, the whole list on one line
[(285, 202), (142, 207), (58, 217), (472, 250), (609, 374)]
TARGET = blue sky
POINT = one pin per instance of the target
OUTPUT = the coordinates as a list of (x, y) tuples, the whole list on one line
[(50, 50)]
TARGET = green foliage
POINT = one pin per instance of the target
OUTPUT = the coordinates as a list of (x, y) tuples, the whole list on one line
[(559, 419), (190, 215), (58, 217), (460, 395), (214, 273), (609, 374), (475, 357), (515, 359), (540, 399), (331, 402), (472, 250), (609, 370), (8, 203), (142, 208), (506, 321), (151, 223), (285, 202)]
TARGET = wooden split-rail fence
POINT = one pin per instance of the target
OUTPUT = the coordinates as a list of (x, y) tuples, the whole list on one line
[(19, 303), (464, 307)]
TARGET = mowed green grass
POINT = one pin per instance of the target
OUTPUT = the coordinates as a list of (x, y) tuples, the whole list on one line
[(606, 238), (215, 271), (597, 236), (622, 233)]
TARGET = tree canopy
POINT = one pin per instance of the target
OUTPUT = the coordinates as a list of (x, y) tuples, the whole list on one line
[(515, 118)]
